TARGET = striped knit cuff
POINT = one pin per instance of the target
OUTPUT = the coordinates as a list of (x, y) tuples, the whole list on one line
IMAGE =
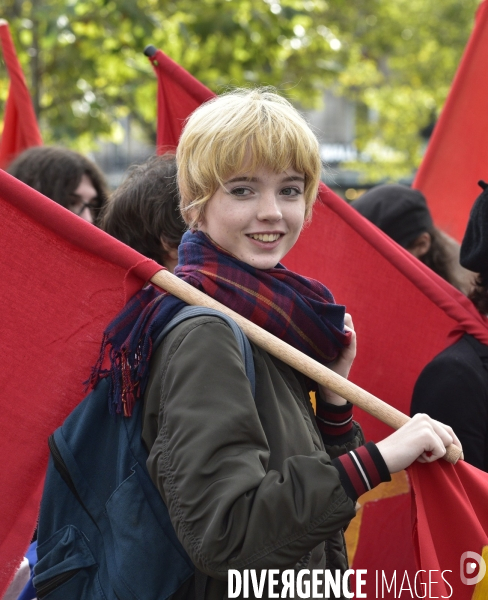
[(334, 422), (361, 470)]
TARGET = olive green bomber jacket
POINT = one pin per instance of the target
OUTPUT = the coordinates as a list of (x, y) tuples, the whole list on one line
[(247, 481)]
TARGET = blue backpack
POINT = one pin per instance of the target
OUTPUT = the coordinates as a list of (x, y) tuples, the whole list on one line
[(104, 531)]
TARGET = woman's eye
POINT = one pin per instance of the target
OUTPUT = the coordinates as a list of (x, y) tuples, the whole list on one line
[(240, 191), (291, 191)]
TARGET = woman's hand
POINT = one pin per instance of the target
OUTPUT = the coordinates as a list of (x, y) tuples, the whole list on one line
[(342, 365), (422, 439)]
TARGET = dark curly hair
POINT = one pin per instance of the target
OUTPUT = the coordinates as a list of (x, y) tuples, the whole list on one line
[(437, 258), (479, 295), (56, 172), (144, 210)]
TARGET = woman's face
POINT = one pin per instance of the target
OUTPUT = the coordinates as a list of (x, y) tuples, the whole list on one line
[(84, 200), (257, 217)]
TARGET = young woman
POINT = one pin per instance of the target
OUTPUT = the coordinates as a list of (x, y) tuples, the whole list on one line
[(253, 482), (65, 176)]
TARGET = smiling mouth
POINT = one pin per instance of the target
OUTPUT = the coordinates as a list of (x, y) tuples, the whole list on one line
[(265, 237)]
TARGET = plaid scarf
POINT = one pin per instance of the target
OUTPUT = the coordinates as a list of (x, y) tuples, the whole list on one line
[(296, 309)]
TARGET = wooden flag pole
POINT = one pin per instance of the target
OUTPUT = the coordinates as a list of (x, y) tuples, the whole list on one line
[(293, 357)]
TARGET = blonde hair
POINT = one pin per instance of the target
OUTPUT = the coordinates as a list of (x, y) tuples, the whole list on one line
[(243, 129)]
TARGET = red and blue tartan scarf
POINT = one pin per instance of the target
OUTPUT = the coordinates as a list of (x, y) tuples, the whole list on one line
[(298, 310)]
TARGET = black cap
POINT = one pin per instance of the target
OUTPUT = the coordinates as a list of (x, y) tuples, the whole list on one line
[(398, 210), (474, 248)]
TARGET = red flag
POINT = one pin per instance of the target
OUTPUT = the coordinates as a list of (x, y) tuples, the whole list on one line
[(20, 129), (420, 553), (457, 154), (450, 519), (62, 282), (179, 94)]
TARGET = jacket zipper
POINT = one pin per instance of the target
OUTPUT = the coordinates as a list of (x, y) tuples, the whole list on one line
[(62, 469), (55, 582)]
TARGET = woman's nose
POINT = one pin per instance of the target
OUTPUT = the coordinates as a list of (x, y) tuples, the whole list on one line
[(269, 208), (86, 214)]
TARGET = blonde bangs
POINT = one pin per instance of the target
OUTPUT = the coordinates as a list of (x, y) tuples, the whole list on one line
[(242, 132)]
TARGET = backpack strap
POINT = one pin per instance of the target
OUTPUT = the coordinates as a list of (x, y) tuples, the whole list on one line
[(189, 312)]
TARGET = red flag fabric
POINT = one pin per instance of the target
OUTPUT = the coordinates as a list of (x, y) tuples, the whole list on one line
[(450, 520), (457, 154), (414, 545), (179, 94), (386, 562), (20, 129), (62, 282)]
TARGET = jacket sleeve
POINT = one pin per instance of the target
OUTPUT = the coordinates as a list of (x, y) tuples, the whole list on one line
[(210, 460), (337, 448), (339, 432)]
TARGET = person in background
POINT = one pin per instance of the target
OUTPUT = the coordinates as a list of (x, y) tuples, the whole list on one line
[(143, 212), (65, 176), (453, 387), (402, 213)]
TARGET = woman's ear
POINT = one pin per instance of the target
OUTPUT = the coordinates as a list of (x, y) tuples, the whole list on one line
[(421, 245)]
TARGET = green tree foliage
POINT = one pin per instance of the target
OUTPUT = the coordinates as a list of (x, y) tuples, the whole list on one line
[(395, 58), (398, 64)]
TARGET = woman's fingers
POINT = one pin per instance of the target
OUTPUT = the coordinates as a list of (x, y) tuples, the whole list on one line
[(446, 436), (348, 324), (422, 439), (446, 433)]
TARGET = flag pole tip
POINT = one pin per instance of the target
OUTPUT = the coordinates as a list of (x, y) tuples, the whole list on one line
[(150, 50)]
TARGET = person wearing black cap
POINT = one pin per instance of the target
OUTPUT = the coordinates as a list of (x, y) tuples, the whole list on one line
[(402, 213), (453, 387), (474, 249)]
